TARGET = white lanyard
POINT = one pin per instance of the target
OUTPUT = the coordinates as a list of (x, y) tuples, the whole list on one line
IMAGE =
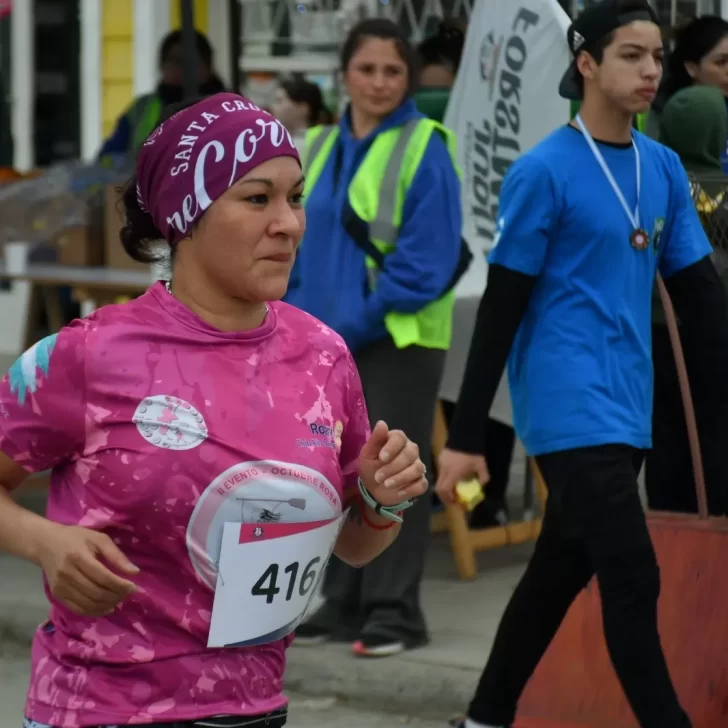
[(634, 217)]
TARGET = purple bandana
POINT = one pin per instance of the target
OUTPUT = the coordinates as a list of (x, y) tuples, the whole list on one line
[(193, 157)]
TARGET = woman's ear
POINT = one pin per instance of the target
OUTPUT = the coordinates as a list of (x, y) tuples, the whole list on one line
[(692, 68)]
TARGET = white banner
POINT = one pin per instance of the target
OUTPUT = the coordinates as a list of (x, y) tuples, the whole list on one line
[(504, 101)]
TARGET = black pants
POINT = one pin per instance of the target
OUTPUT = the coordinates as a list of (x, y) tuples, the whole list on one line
[(500, 442), (594, 524), (383, 598)]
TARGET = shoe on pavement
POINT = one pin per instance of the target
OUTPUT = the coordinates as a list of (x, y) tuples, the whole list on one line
[(460, 721), (378, 647), (311, 635)]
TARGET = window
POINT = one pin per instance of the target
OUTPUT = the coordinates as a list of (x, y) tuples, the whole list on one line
[(57, 83), (274, 32)]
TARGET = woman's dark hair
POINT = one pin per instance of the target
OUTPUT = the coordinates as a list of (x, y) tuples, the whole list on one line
[(301, 91), (382, 29), (445, 48), (692, 43), (204, 49), (139, 233)]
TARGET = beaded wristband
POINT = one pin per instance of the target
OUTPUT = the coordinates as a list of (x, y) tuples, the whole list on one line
[(370, 524), (391, 513)]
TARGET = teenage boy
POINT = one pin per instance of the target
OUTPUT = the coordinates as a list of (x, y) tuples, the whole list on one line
[(587, 218)]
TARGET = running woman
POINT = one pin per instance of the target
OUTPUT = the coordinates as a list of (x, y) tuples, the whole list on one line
[(204, 441), (587, 219)]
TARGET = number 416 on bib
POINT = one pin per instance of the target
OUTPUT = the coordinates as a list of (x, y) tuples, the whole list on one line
[(267, 576)]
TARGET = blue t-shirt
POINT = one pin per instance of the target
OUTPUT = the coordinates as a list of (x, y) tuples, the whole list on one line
[(580, 368)]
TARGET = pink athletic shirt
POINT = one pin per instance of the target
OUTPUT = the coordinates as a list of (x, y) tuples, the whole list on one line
[(156, 425)]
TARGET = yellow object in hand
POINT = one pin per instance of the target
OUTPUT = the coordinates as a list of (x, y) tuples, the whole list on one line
[(469, 493)]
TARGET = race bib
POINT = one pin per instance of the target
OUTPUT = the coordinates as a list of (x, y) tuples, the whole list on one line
[(267, 576)]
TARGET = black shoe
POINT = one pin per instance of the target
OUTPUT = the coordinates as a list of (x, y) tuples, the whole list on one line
[(329, 624), (311, 635), (491, 513)]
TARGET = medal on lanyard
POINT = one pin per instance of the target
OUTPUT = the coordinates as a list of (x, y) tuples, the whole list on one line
[(639, 239)]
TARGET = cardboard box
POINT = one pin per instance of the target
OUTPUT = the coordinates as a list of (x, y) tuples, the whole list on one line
[(115, 254), (82, 246)]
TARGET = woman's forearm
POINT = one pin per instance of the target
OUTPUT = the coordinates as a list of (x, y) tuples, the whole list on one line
[(21, 530), (358, 542)]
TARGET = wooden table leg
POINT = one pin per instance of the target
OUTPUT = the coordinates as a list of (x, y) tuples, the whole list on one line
[(461, 543), (53, 308), (32, 315), (541, 489)]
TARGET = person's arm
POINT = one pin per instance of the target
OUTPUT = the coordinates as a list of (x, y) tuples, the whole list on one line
[(528, 208), (43, 425), (689, 273), (365, 533), (418, 271), (21, 531), (698, 296), (499, 316), (358, 543)]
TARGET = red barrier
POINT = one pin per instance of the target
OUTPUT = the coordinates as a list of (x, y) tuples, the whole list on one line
[(575, 685)]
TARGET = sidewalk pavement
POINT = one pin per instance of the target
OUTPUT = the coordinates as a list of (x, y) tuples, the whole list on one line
[(438, 679)]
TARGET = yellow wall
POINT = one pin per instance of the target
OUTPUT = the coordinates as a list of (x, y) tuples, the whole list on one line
[(117, 43), (200, 10), (117, 72)]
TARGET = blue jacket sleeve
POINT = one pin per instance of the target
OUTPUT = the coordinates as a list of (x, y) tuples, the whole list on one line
[(428, 247), (118, 142)]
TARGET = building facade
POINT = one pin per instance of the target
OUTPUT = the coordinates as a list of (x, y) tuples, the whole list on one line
[(70, 67), (75, 65)]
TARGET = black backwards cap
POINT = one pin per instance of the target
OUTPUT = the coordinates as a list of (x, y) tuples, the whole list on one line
[(594, 24)]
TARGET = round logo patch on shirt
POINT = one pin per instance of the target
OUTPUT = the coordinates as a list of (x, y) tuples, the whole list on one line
[(257, 493), (170, 423)]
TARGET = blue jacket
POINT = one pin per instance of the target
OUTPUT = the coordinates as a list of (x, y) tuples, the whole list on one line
[(120, 140), (329, 278)]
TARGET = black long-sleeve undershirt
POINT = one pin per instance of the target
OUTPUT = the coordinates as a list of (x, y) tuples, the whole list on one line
[(500, 313), (699, 300)]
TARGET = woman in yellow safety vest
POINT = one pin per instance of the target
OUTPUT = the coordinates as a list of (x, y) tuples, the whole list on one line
[(378, 264)]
